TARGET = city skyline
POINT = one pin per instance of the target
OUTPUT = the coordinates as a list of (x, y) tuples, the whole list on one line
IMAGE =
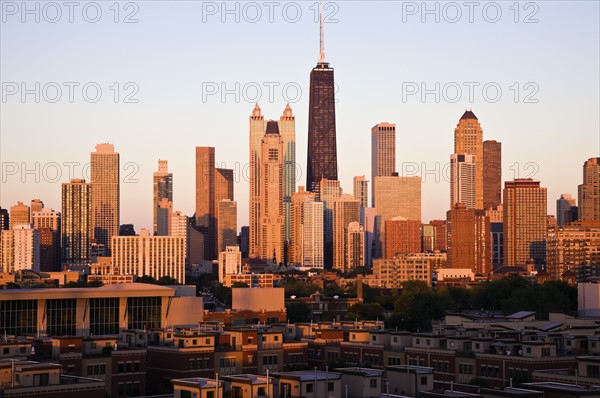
[(414, 134)]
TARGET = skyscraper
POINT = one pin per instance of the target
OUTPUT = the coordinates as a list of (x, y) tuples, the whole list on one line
[(469, 239), (492, 174), (345, 211), (4, 219), (36, 206), (226, 224), (361, 190), (383, 151), (368, 217), (296, 244), (163, 217), (271, 238), (328, 192), (257, 132), (322, 147), (524, 221), (396, 197), (77, 231), (355, 246), (205, 199), (105, 194), (462, 180), (47, 222), (19, 214), (223, 185), (564, 206), (468, 139), (287, 130), (312, 251), (589, 191), (20, 249), (162, 188)]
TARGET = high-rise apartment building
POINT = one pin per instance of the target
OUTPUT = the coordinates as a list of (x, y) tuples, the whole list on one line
[(361, 190), (297, 237), (383, 151), (20, 249), (492, 174), (564, 209), (230, 262), (469, 245), (163, 217), (271, 238), (524, 221), (462, 180), (322, 146), (104, 169), (147, 255), (468, 139), (162, 188), (77, 232), (223, 185), (572, 248), (47, 222), (368, 218), (20, 214), (589, 191), (496, 217), (401, 237), (439, 227), (355, 246), (345, 211), (312, 228), (226, 224)]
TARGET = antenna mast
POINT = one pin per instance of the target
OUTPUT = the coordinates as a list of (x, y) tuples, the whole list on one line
[(322, 35)]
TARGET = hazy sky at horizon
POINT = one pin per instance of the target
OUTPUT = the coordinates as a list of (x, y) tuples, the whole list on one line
[(176, 51)]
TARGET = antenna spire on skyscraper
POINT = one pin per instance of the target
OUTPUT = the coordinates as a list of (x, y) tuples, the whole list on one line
[(322, 35)]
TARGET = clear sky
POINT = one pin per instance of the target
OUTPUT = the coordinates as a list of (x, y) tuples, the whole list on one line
[(543, 56)]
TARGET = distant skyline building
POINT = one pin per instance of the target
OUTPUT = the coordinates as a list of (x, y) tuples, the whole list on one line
[(162, 188), (564, 209), (383, 151), (589, 191), (163, 217), (361, 190), (322, 145), (402, 237), (297, 238), (396, 197), (469, 239), (206, 217), (47, 222), (20, 214), (492, 174), (496, 217), (258, 127), (345, 211), (368, 221), (105, 168), (271, 238), (147, 255), (468, 139), (20, 249), (329, 191), (4, 219), (573, 248), (312, 229), (355, 246), (36, 206), (524, 221), (287, 130), (77, 231), (227, 224), (462, 180), (230, 262)]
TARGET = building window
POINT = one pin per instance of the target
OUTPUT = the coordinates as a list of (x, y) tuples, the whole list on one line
[(144, 312), (60, 315), (330, 386), (104, 316), (423, 380), (309, 387), (18, 317), (373, 383)]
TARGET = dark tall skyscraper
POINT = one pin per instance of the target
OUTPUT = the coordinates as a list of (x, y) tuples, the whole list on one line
[(322, 149)]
